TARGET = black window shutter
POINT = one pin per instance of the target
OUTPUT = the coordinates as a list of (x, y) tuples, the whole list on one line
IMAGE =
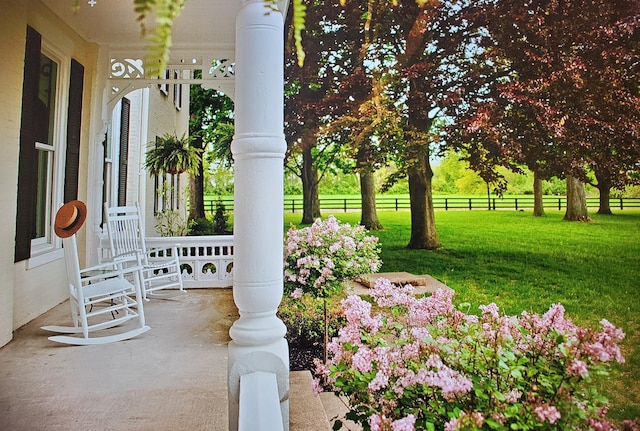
[(74, 119), (105, 173), (124, 152), (27, 168)]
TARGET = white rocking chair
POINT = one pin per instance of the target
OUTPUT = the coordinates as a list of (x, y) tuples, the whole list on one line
[(162, 277), (101, 297)]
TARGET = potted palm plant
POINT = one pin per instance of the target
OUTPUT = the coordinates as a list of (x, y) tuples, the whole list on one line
[(173, 155)]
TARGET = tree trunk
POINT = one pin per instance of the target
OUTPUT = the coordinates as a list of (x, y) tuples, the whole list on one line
[(604, 187), (369, 217), (310, 199), (423, 221), (196, 188), (605, 194), (576, 201), (538, 205), (488, 197)]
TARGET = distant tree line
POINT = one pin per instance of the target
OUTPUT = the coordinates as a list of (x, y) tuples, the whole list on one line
[(452, 176)]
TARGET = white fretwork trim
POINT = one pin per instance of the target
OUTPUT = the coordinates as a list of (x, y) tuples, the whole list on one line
[(127, 73)]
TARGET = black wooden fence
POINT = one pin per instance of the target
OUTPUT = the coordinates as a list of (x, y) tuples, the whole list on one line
[(445, 203)]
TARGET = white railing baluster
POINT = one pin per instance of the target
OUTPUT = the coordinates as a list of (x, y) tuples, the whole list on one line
[(206, 261)]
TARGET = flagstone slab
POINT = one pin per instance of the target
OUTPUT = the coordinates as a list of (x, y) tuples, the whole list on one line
[(421, 283)]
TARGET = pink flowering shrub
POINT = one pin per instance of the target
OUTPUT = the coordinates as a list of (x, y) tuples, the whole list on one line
[(318, 259), (407, 363)]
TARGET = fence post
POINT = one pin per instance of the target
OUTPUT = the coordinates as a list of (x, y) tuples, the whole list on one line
[(396, 204), (470, 205), (559, 204), (516, 199), (621, 204), (446, 204), (345, 205), (494, 204)]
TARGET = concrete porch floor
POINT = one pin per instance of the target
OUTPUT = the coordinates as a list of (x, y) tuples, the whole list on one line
[(173, 377)]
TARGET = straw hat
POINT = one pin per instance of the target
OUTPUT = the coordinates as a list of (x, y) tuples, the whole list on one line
[(69, 218)]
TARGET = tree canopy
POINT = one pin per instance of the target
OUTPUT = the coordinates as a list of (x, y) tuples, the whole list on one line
[(551, 85), (563, 95)]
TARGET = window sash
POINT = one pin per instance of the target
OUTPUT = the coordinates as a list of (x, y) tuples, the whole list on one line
[(48, 166), (44, 194)]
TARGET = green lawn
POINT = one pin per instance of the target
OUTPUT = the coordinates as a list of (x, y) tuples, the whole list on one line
[(526, 263)]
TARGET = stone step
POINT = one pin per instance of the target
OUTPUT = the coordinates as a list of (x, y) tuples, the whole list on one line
[(306, 412), (336, 409), (309, 412)]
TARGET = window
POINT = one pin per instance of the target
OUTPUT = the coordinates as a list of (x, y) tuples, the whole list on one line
[(167, 188), (116, 146), (177, 90), (164, 88), (41, 141)]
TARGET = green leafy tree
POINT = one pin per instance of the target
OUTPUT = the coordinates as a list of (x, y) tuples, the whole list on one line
[(210, 118), (220, 219), (326, 86), (419, 54), (560, 96), (363, 136)]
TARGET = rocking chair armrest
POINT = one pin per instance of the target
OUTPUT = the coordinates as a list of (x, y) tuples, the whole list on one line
[(114, 268), (129, 256), (101, 274), (125, 257)]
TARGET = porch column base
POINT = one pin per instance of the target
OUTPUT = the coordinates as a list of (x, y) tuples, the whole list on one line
[(245, 360)]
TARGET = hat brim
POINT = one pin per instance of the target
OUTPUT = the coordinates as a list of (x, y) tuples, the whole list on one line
[(81, 216)]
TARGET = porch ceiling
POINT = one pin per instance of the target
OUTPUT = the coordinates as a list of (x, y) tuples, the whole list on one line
[(204, 25)]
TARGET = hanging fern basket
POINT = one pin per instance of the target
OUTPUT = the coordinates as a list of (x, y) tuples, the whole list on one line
[(171, 154)]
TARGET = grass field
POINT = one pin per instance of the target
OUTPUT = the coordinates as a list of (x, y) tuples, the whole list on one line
[(526, 263)]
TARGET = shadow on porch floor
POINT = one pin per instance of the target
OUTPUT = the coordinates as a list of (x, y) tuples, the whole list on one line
[(173, 377)]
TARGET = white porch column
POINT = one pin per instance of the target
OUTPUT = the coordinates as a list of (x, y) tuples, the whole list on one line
[(258, 150)]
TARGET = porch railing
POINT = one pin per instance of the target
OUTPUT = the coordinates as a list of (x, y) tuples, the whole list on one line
[(206, 261)]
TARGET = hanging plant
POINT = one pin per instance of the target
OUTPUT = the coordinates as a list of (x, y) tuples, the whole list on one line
[(171, 154)]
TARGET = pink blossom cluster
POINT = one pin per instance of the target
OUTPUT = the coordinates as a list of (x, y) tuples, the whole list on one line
[(548, 413), (319, 258), (407, 362), (465, 421), (381, 423)]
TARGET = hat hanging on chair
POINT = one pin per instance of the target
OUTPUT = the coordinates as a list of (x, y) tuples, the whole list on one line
[(70, 218)]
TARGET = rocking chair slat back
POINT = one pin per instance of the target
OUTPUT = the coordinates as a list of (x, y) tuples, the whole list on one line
[(126, 232), (125, 229)]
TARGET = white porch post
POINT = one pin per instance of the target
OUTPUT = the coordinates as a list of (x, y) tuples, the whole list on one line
[(258, 149)]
